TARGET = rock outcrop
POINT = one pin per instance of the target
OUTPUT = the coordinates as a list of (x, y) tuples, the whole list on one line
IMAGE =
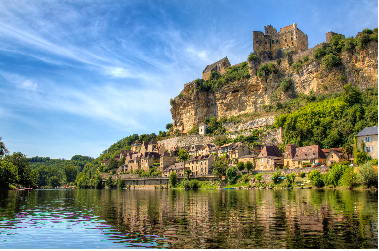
[(192, 106)]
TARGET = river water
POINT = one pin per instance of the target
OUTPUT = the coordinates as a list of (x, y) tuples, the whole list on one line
[(148, 218)]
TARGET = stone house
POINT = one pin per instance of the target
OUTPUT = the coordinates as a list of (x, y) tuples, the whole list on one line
[(117, 157), (270, 158), (136, 146), (152, 146), (201, 165), (144, 147), (148, 159), (134, 163), (105, 162), (308, 154), (208, 149), (219, 66), (289, 155), (178, 168), (369, 136), (238, 150), (225, 149), (247, 158), (166, 160), (334, 155), (194, 150)]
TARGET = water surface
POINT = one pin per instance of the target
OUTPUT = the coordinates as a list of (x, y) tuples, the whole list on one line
[(188, 219)]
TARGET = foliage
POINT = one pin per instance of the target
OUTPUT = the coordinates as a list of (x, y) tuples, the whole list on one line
[(285, 84), (296, 67), (276, 177), (168, 126), (54, 182), (249, 166), (267, 70), (172, 102), (188, 172), (349, 178), (27, 177), (221, 140), (96, 181), (182, 155), (219, 167), (214, 126), (217, 81), (109, 182), (278, 61), (301, 174), (335, 174), (316, 178), (180, 95), (360, 156), (367, 175), (329, 61), (8, 174), (231, 174), (3, 149), (194, 130), (194, 184), (241, 166), (319, 52), (329, 122), (120, 183), (252, 57), (259, 177), (290, 178), (172, 179)]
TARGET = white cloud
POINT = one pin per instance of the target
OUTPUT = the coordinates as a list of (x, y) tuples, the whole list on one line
[(29, 85)]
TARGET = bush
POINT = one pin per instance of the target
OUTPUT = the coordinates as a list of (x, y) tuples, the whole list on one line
[(296, 67), (367, 175), (180, 95), (301, 174), (267, 69), (319, 53), (349, 178), (305, 59), (240, 166), (335, 174), (252, 57), (194, 184), (194, 130), (330, 61), (172, 102), (259, 177), (316, 178), (278, 61), (290, 178), (172, 179), (231, 174), (276, 177), (285, 84)]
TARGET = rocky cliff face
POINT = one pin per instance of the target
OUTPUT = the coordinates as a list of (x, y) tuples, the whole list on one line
[(359, 67)]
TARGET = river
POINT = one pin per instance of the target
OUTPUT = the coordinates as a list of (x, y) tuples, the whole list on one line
[(148, 218)]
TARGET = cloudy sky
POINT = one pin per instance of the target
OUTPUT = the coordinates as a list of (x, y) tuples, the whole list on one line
[(77, 76)]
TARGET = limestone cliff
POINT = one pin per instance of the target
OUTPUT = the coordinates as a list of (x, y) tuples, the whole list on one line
[(191, 107)]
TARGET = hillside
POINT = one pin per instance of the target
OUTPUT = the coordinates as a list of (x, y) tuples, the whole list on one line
[(261, 85)]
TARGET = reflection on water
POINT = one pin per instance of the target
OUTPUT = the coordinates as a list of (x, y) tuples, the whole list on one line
[(188, 219)]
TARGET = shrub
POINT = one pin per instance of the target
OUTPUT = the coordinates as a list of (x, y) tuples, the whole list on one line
[(335, 174), (252, 57), (278, 61), (240, 166), (305, 59), (194, 184), (290, 178), (276, 177), (231, 174), (172, 102), (180, 95), (172, 179), (316, 178), (301, 174), (259, 177), (296, 67), (194, 130), (330, 61), (367, 175), (267, 69), (285, 84), (120, 183), (349, 178), (319, 53)]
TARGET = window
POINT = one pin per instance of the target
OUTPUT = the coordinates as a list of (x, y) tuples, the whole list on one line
[(367, 139), (368, 149)]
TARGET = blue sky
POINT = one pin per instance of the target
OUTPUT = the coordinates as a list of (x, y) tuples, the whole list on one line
[(77, 76)]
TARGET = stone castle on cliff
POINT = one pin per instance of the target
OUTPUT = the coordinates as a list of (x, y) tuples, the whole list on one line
[(270, 45)]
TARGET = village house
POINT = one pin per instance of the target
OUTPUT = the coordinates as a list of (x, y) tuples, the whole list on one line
[(289, 155), (201, 165), (136, 146), (148, 159), (178, 168), (369, 136), (309, 155), (202, 128), (270, 158), (247, 158), (238, 150), (334, 155), (166, 160), (105, 162), (194, 150), (208, 149)]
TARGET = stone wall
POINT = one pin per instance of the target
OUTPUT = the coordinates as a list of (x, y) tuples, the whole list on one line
[(254, 124), (186, 141)]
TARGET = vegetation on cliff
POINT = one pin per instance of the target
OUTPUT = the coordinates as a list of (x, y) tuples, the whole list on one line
[(331, 122)]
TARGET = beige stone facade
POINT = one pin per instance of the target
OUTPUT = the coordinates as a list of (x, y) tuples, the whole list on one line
[(166, 161), (201, 165), (369, 136), (219, 66)]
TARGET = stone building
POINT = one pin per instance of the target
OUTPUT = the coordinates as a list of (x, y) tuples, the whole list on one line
[(270, 158), (369, 136), (203, 128), (308, 155), (201, 165), (219, 66), (329, 35), (289, 38), (166, 160), (335, 155)]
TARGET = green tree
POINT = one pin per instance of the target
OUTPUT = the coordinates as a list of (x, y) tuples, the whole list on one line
[(351, 95), (360, 156), (259, 177), (27, 176), (8, 174), (241, 166), (109, 182), (231, 174), (54, 182), (249, 166), (120, 183), (96, 181), (367, 175), (172, 179), (3, 149), (71, 173), (290, 178), (276, 177), (182, 155), (316, 178), (113, 164), (219, 167), (168, 126), (188, 172)]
